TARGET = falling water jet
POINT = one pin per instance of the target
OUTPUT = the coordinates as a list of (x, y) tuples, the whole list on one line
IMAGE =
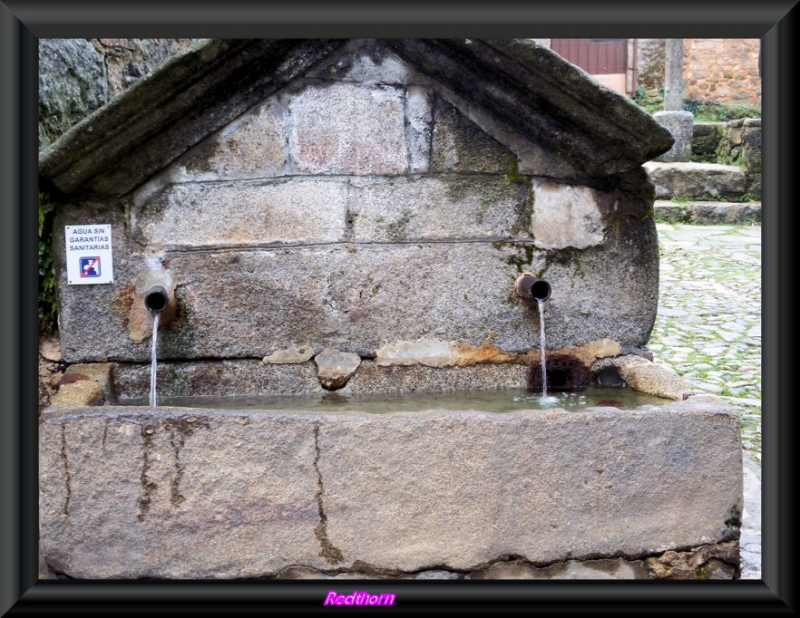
[(544, 398), (156, 299), (540, 302), (530, 287), (154, 361)]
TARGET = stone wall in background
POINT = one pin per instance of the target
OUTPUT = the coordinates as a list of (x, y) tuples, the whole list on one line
[(718, 70), (77, 76), (722, 70), (737, 142), (650, 63)]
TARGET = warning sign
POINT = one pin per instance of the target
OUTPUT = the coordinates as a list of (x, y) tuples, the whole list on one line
[(89, 258)]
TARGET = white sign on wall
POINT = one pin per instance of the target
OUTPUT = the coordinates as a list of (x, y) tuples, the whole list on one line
[(89, 258)]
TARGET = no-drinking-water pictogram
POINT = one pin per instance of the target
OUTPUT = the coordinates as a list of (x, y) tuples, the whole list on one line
[(90, 266)]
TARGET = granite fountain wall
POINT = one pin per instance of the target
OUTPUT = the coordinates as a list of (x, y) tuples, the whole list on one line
[(350, 217)]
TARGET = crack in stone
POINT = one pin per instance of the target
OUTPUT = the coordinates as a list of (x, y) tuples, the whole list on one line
[(105, 435), (328, 551), (65, 462)]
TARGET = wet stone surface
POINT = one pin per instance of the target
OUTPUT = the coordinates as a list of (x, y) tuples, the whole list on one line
[(708, 329)]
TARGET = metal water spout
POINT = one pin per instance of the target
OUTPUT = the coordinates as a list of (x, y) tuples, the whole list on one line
[(156, 299), (159, 295), (530, 287)]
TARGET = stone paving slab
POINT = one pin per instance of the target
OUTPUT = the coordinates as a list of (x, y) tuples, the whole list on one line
[(708, 329)]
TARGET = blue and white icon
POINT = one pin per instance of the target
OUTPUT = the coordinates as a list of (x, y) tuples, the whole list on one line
[(90, 266)]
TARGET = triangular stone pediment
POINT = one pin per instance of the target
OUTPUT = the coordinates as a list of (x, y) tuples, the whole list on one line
[(231, 106)]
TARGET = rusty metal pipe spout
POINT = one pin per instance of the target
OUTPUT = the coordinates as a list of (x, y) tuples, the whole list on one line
[(156, 299), (530, 287)]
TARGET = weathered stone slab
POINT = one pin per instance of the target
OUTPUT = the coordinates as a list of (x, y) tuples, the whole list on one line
[(373, 378), (85, 384), (80, 393), (572, 569), (418, 133), (349, 129), (245, 213), (714, 212), (217, 378), (660, 380), (190, 496), (708, 212), (166, 493), (295, 354), (680, 125), (460, 145), (251, 146), (435, 353), (357, 298), (249, 377), (566, 216), (438, 208), (679, 179), (706, 137)]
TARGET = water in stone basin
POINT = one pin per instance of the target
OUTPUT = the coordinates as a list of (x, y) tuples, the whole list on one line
[(495, 400)]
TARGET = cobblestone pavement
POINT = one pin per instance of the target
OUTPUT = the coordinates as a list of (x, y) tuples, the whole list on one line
[(708, 329)]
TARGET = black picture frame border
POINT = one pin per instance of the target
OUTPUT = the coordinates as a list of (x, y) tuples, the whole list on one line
[(22, 23)]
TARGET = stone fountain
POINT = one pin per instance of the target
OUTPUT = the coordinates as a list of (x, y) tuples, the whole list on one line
[(348, 217)]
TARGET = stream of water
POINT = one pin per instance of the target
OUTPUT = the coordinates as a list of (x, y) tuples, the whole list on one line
[(154, 361), (545, 400)]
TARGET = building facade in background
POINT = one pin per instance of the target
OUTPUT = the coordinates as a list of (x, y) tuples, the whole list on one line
[(714, 70)]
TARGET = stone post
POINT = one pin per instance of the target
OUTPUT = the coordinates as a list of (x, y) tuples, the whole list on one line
[(673, 118), (673, 75), (681, 125)]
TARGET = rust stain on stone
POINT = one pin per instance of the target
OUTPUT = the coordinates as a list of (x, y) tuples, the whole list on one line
[(177, 441), (179, 430), (180, 315), (69, 378), (124, 301), (148, 487), (486, 352)]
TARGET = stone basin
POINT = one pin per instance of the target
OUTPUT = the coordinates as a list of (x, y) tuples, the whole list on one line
[(132, 492)]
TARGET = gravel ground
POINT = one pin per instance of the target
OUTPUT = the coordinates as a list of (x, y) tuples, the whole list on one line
[(708, 329)]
